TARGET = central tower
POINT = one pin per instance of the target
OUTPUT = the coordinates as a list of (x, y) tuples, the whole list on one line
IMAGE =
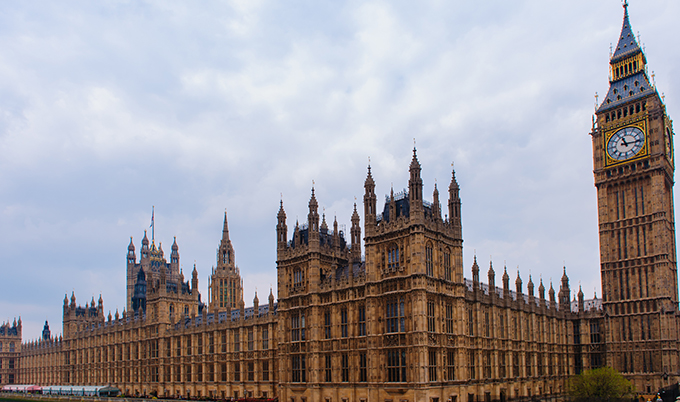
[(633, 167)]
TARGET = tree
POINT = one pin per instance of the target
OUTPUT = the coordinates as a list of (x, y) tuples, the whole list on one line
[(600, 384)]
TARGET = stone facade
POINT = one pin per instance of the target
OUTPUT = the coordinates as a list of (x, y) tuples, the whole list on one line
[(634, 166), (10, 352), (397, 321)]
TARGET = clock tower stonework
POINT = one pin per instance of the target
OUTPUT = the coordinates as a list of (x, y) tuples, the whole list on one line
[(633, 167)]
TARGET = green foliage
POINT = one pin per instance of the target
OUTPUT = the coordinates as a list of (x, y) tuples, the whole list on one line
[(600, 384)]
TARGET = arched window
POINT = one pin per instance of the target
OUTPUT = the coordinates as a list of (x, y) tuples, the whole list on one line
[(11, 347), (447, 264), (393, 257), (297, 277), (429, 264)]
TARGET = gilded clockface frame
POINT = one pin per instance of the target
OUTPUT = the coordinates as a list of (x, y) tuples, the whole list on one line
[(625, 143)]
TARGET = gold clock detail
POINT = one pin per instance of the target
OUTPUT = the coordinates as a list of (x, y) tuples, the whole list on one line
[(625, 143)]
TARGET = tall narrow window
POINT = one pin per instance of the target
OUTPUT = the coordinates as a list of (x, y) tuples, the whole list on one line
[(618, 216), (451, 365), (297, 324), (635, 192), (251, 371), (447, 265), (487, 364), (265, 338), (487, 326), (395, 316), (393, 257), (432, 366), (265, 370), (251, 339), (362, 320), (343, 323), (299, 369), (471, 323), (396, 365), (345, 367), (362, 368), (328, 369), (449, 318), (430, 316), (327, 324), (237, 341), (642, 199), (429, 270), (623, 204), (471, 364), (501, 364)]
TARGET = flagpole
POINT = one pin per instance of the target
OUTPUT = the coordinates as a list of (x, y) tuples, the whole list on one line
[(153, 226)]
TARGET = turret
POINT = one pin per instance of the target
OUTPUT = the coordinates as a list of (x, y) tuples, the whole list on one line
[(541, 290), (194, 280), (131, 256), (145, 249), (369, 203), (415, 188), (281, 228), (324, 225), (518, 285), (256, 305), (139, 295), (491, 274), (475, 274), (174, 255), (551, 294), (436, 210), (506, 283), (46, 335), (313, 216), (580, 300), (564, 292), (454, 206), (530, 287), (271, 301), (355, 234)]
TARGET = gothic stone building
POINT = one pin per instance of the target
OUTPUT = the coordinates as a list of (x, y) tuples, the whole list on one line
[(397, 321), (10, 352)]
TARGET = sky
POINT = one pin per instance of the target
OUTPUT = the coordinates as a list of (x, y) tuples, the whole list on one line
[(109, 108)]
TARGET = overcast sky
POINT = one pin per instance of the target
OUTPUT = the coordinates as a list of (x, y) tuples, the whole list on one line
[(110, 107)]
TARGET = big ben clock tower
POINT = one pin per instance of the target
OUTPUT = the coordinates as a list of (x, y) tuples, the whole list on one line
[(633, 166)]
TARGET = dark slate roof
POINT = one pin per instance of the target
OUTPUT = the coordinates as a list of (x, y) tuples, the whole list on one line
[(626, 90), (627, 45)]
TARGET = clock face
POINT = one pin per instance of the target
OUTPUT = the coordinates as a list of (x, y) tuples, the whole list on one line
[(625, 143)]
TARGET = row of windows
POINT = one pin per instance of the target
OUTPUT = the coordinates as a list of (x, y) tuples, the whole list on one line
[(344, 322), (625, 111), (150, 348), (11, 347), (394, 253), (541, 329), (181, 373)]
